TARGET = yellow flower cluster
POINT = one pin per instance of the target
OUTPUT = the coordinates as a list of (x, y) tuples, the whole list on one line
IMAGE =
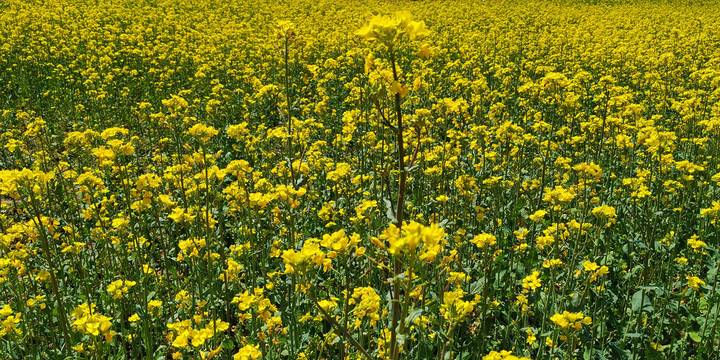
[(425, 242), (389, 29), (183, 332), (248, 352), (9, 320), (568, 320), (502, 355), (483, 240), (118, 288), (606, 213), (367, 305), (532, 281), (694, 282), (454, 309), (90, 322), (257, 302), (302, 261)]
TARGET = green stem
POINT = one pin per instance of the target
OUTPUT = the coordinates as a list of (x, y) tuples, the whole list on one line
[(53, 280)]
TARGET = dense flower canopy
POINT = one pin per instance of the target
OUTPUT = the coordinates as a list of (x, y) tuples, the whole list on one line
[(224, 179)]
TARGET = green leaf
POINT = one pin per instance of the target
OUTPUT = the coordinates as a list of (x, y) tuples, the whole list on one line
[(695, 336), (618, 353), (641, 302), (599, 355), (414, 314), (652, 287), (389, 212), (633, 335), (652, 354), (477, 286)]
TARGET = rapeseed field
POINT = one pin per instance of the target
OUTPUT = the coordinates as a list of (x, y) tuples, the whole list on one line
[(359, 180)]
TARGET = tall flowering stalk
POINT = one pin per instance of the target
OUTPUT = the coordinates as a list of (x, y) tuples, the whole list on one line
[(392, 31)]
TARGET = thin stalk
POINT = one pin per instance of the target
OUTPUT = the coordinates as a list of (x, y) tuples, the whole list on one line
[(397, 264), (53, 280)]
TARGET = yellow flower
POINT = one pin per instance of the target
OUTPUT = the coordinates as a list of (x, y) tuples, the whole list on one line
[(397, 88), (120, 287), (603, 270), (175, 103), (605, 212), (32, 302), (248, 352), (454, 309), (696, 244), (180, 215), (369, 63), (558, 195), (339, 242), (694, 282), (568, 320), (79, 348), (8, 322), (89, 321), (303, 260), (388, 29), (531, 336), (712, 212), (424, 51), (538, 215), (552, 263), (430, 240), (185, 334), (328, 305), (367, 307), (285, 29), (502, 355), (154, 304), (211, 354), (483, 240), (532, 281), (544, 241), (191, 247), (590, 266)]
